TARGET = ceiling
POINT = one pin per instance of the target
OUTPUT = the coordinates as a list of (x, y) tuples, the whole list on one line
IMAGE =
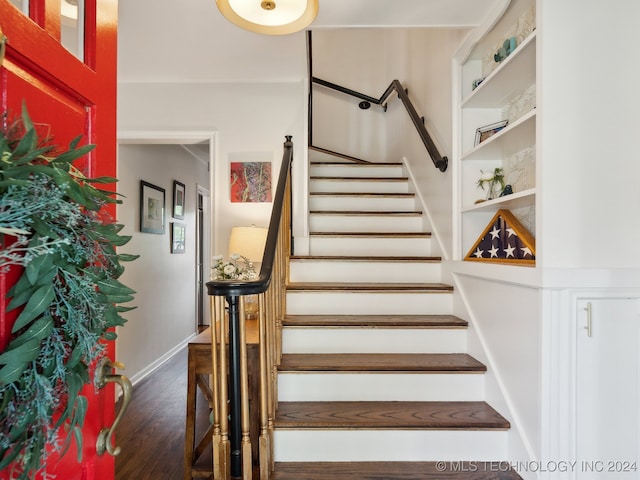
[(402, 13), (190, 41)]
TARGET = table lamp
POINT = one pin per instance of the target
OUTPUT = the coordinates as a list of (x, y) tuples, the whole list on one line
[(249, 242)]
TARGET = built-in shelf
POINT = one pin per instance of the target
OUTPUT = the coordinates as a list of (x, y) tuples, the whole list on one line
[(526, 198), (508, 89), (513, 138), (512, 76)]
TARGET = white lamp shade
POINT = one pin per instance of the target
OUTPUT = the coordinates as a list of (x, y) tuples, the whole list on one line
[(248, 242), (288, 16)]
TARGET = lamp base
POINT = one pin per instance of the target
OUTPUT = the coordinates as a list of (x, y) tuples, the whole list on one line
[(251, 307)]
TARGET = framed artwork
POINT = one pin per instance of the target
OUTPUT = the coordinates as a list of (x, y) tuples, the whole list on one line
[(178, 237), (151, 208), (250, 182), (488, 131), (178, 199)]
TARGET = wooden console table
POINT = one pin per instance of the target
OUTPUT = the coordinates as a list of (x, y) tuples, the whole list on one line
[(199, 369)]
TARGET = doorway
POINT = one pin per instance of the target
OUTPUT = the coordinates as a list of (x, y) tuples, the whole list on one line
[(168, 305), (203, 254)]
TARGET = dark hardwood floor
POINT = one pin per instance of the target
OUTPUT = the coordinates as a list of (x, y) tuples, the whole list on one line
[(151, 433)]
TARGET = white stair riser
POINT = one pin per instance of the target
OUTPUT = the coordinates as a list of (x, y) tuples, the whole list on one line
[(358, 186), (350, 170), (364, 223), (363, 271), (373, 340), (367, 387), (355, 303), (361, 204), (388, 445), (376, 246)]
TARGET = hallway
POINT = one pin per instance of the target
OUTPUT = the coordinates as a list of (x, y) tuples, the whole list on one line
[(151, 433)]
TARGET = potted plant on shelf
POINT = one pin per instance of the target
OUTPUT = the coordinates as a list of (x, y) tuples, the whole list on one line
[(493, 182)]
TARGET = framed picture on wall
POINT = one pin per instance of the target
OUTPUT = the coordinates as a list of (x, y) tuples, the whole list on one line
[(178, 200), (488, 131), (250, 182), (178, 237), (151, 208)]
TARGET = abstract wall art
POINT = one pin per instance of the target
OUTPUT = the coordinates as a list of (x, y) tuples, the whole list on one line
[(250, 182)]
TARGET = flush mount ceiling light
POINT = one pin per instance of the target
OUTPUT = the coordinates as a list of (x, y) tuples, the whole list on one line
[(69, 9), (270, 17)]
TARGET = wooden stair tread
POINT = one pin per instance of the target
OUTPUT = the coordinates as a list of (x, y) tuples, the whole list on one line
[(389, 415), (380, 362), (378, 415), (371, 258), (469, 470), (357, 179), (416, 321), (373, 234), (369, 287), (364, 194), (412, 213), (363, 164)]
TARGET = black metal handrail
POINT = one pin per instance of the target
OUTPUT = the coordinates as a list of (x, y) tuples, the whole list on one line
[(441, 162), (227, 288)]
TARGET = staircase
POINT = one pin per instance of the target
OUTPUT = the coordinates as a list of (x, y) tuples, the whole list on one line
[(374, 382)]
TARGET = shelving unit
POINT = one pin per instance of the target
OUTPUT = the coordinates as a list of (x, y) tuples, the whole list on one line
[(508, 91)]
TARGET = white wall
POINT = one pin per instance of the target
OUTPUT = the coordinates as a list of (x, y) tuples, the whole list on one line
[(367, 60), (589, 100), (507, 337), (251, 121), (426, 71), (165, 283), (185, 42), (353, 59), (587, 221)]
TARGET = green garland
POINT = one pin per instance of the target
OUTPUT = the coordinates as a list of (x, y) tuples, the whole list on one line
[(68, 293)]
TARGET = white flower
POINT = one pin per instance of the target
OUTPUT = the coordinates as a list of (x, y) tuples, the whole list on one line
[(237, 268), (487, 177)]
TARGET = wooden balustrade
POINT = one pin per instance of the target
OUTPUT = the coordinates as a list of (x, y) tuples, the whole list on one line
[(232, 446)]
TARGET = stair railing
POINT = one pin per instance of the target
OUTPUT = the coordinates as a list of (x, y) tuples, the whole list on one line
[(229, 382), (439, 161)]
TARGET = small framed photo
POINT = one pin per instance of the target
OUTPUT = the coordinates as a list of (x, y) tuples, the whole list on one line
[(178, 200), (151, 208), (488, 131), (178, 236)]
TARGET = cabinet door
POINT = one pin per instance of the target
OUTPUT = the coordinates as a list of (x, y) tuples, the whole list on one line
[(607, 388)]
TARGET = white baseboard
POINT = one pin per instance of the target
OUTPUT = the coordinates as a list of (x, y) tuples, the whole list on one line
[(152, 367)]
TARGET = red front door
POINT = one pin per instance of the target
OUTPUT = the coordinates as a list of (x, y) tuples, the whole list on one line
[(64, 69)]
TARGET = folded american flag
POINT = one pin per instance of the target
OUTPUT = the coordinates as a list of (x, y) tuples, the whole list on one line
[(504, 240)]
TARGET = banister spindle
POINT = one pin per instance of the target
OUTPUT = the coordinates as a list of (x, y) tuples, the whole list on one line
[(232, 449)]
